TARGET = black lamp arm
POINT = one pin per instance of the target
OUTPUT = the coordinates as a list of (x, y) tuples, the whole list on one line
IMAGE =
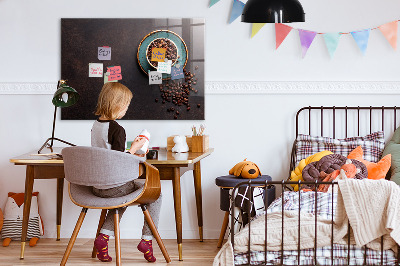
[(46, 143)]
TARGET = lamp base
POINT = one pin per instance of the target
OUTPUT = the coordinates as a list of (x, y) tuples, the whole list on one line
[(50, 146)]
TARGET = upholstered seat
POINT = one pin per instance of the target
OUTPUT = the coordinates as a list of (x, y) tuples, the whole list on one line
[(82, 195), (86, 167)]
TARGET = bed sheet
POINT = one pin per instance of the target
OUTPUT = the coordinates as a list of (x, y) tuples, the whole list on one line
[(324, 206)]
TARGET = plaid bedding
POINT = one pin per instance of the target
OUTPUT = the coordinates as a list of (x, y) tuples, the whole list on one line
[(372, 145), (323, 207)]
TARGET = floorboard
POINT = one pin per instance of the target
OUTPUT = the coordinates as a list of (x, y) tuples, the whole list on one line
[(50, 252)]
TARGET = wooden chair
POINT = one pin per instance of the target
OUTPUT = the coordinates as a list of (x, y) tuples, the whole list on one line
[(85, 167)]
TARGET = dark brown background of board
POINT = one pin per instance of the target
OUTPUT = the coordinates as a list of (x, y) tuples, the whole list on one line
[(80, 39)]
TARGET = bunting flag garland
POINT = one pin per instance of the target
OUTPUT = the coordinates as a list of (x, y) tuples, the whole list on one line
[(389, 30), (256, 28), (306, 39), (332, 41), (361, 38), (213, 2), (281, 31), (237, 9)]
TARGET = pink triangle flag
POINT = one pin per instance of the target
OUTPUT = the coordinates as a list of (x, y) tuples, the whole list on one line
[(281, 31), (389, 30), (306, 39)]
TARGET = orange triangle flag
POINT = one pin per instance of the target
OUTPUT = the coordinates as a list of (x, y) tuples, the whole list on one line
[(389, 30), (281, 31)]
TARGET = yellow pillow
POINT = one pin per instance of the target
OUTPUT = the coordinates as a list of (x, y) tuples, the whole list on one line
[(296, 174)]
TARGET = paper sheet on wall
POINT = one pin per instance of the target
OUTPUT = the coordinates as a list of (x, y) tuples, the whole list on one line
[(106, 78), (155, 77), (95, 70), (158, 54), (164, 67), (115, 73), (177, 73), (104, 53)]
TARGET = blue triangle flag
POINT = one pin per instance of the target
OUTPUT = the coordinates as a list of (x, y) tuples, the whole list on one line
[(237, 9), (213, 2), (332, 41), (361, 38)]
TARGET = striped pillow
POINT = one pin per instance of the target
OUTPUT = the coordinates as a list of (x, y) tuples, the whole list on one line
[(372, 145)]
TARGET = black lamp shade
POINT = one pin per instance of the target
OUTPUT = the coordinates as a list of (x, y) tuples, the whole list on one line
[(273, 11), (65, 96)]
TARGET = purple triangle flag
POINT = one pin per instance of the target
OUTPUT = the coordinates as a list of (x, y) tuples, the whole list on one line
[(306, 39), (361, 37), (237, 9)]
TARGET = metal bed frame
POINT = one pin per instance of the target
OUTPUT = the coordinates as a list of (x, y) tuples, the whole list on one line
[(284, 184)]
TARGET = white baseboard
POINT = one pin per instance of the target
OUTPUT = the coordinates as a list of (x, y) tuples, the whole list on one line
[(248, 87), (136, 234)]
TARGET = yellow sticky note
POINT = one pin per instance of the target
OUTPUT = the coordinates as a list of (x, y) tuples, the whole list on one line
[(158, 54)]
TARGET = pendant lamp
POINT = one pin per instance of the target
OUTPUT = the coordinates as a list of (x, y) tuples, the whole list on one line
[(273, 11), (64, 96)]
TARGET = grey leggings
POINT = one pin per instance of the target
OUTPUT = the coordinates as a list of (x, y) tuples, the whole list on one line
[(154, 208)]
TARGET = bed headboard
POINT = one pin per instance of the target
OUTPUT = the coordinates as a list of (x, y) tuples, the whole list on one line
[(344, 121)]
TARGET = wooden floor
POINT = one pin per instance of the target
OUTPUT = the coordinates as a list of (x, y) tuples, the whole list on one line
[(50, 252)]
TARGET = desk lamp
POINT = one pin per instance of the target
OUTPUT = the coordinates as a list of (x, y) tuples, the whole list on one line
[(65, 96), (272, 11)]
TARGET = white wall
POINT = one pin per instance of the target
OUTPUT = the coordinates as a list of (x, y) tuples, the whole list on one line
[(259, 127)]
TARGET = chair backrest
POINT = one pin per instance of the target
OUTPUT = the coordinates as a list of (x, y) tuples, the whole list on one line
[(92, 166)]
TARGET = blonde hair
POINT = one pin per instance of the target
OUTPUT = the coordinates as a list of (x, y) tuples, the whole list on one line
[(113, 98)]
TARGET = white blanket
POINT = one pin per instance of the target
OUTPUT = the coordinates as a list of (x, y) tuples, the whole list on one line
[(371, 206)]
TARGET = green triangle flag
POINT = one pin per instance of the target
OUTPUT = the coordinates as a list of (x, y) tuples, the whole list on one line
[(332, 41), (213, 2), (256, 28)]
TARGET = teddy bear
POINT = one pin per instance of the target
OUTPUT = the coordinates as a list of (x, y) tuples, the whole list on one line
[(180, 144), (13, 215), (245, 169)]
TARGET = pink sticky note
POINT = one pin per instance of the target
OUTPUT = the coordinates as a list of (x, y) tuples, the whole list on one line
[(115, 73)]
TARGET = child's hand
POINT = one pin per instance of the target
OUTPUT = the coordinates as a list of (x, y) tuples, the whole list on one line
[(143, 155), (137, 144)]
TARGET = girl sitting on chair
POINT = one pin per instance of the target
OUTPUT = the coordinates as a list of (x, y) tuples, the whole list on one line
[(113, 102)]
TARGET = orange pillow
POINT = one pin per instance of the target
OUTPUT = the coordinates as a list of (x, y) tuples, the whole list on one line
[(375, 170)]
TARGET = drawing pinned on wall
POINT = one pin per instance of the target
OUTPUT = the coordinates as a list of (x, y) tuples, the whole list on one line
[(115, 73), (164, 67), (155, 77), (104, 53), (158, 54), (177, 73), (95, 70)]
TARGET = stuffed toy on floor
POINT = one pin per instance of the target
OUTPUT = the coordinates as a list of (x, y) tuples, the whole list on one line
[(13, 215)]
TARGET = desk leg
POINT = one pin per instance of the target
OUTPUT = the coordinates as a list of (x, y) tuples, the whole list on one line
[(176, 182), (27, 206), (60, 190), (199, 204)]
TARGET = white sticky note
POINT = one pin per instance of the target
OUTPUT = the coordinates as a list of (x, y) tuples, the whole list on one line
[(164, 67), (104, 53), (155, 77), (95, 70)]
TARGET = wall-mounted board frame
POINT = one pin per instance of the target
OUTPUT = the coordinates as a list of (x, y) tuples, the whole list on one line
[(182, 99)]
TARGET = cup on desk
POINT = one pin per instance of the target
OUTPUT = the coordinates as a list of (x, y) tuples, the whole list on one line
[(152, 155)]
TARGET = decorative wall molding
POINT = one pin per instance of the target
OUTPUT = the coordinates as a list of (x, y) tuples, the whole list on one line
[(249, 87), (304, 87)]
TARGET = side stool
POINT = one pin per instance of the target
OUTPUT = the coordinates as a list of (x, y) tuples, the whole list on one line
[(226, 183)]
